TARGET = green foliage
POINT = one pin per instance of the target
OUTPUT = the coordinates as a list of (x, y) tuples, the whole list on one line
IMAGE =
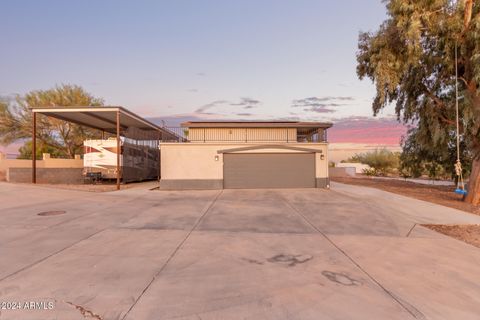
[(370, 172), (25, 151), (62, 138), (381, 162), (405, 173), (331, 164), (411, 60), (418, 159), (357, 158)]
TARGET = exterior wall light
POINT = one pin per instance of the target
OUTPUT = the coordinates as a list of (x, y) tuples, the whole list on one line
[(216, 158), (322, 157)]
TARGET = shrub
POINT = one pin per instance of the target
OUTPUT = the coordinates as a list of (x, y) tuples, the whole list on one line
[(380, 161)]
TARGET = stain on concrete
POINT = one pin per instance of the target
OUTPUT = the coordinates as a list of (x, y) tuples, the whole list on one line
[(289, 259), (85, 312), (253, 261), (341, 278), (51, 213)]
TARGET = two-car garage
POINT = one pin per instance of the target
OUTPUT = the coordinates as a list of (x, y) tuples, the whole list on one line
[(268, 170)]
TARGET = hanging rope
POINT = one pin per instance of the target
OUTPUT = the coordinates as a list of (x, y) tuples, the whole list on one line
[(458, 165)]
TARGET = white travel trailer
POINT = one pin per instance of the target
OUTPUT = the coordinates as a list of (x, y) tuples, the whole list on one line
[(100, 158), (139, 159)]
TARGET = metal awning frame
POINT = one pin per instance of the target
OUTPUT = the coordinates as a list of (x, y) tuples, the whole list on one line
[(113, 126), (96, 113)]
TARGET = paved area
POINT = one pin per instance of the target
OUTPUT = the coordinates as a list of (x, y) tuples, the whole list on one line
[(345, 253)]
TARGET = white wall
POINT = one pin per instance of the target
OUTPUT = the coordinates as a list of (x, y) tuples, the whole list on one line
[(197, 160), (359, 167)]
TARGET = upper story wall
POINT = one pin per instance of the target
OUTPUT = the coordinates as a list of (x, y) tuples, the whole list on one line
[(241, 134)]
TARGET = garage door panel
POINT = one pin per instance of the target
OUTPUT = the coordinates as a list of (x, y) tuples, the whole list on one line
[(269, 170)]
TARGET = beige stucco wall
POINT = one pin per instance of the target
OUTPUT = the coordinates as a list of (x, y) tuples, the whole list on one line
[(46, 162), (242, 134), (197, 160)]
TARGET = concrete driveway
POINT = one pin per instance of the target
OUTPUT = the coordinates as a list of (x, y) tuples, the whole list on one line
[(347, 253)]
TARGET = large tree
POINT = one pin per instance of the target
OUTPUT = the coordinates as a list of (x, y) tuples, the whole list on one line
[(65, 138), (411, 60)]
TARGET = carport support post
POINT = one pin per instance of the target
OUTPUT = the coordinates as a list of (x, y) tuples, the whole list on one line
[(34, 147), (118, 149)]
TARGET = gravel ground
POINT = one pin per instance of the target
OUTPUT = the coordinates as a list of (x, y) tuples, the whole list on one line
[(466, 233)]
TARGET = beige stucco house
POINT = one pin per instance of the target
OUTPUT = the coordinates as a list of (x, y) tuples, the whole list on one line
[(275, 154)]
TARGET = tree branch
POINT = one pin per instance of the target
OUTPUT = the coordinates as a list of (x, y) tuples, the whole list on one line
[(464, 80)]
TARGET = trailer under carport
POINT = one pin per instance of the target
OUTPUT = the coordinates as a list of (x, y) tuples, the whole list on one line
[(114, 120)]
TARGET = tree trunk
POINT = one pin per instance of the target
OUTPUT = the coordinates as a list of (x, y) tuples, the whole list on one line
[(473, 195), (468, 14)]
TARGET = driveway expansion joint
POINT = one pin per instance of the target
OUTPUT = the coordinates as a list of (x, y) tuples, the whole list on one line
[(415, 313), (51, 255), (411, 229), (73, 244), (180, 245)]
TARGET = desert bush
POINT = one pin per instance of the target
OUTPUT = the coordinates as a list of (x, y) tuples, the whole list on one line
[(381, 162)]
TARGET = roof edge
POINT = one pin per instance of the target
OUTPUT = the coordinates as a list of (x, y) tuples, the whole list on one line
[(255, 124)]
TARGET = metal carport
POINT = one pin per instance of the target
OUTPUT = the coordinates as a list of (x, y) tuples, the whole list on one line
[(111, 119)]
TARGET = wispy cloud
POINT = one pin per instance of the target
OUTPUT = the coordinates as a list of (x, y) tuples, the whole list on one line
[(325, 104), (320, 109), (244, 114), (201, 74), (210, 105), (244, 103)]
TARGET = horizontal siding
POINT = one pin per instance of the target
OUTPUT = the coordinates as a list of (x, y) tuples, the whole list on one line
[(243, 134)]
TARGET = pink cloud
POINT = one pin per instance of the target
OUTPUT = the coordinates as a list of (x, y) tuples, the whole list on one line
[(367, 130)]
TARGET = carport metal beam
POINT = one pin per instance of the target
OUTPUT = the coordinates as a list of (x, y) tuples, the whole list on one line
[(34, 148), (118, 150)]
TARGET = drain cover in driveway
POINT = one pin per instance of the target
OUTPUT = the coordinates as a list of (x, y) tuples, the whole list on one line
[(51, 213)]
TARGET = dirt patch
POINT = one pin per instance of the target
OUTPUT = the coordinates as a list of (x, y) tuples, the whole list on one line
[(443, 195), (466, 233)]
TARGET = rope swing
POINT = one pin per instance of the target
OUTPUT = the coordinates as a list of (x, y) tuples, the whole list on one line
[(458, 165)]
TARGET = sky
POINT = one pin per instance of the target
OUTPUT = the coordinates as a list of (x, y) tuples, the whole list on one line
[(209, 59)]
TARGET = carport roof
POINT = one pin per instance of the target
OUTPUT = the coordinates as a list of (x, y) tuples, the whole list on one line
[(101, 118), (256, 124)]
